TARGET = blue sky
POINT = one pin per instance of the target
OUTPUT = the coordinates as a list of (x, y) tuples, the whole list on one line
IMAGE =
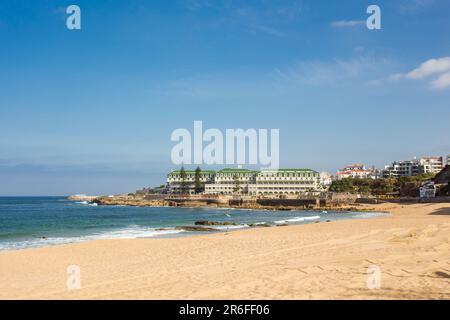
[(92, 110)]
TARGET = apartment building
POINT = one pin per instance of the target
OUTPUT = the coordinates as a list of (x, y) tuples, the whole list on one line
[(407, 168), (432, 164)]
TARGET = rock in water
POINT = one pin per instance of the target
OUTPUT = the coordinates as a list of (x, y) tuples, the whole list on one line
[(215, 223), (195, 228)]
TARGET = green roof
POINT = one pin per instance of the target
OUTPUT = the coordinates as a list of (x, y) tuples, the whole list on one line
[(290, 170), (193, 172), (228, 170), (296, 170)]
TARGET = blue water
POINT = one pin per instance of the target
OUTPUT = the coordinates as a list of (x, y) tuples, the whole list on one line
[(40, 221)]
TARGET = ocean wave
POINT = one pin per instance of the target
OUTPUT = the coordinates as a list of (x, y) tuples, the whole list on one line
[(298, 219), (87, 203), (134, 232), (368, 215), (241, 226)]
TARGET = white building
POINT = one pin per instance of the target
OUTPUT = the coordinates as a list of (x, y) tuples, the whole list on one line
[(432, 164), (355, 171), (326, 179), (265, 182), (231, 181), (406, 168), (179, 183), (427, 191), (285, 182)]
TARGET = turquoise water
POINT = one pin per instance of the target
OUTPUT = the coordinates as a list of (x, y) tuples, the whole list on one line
[(40, 221)]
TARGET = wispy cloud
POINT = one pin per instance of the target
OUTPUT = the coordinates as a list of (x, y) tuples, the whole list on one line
[(264, 16), (347, 23), (270, 31), (193, 5), (414, 6), (331, 72), (277, 80), (433, 67)]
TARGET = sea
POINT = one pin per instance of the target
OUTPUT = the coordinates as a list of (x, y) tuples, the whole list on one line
[(29, 222)]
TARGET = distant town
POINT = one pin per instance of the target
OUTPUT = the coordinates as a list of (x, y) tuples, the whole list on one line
[(415, 177)]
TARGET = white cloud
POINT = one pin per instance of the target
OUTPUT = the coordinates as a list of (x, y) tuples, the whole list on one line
[(433, 67), (442, 82), (347, 23), (332, 72), (430, 67)]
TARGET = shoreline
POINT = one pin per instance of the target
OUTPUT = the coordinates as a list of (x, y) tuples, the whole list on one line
[(201, 226), (311, 261)]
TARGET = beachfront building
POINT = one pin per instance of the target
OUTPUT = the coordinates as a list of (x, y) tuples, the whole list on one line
[(179, 183), (414, 167), (326, 179), (431, 164), (285, 182), (407, 168), (243, 181), (355, 171), (231, 181)]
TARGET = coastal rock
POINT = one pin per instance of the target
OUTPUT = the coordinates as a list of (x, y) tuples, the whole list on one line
[(259, 225), (195, 228), (215, 223)]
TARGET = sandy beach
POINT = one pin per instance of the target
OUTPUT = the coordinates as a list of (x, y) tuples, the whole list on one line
[(411, 248)]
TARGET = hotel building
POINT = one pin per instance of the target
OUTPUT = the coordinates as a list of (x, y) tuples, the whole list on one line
[(285, 182), (176, 183), (242, 181), (227, 181)]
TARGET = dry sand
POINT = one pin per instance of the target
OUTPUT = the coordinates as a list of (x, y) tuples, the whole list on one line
[(317, 261)]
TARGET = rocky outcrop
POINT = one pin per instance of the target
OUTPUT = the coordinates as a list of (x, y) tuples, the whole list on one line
[(129, 201), (141, 201), (259, 225), (215, 223), (195, 228)]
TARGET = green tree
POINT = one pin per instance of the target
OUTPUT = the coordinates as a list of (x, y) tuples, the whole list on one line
[(199, 187), (237, 184), (183, 177), (344, 185)]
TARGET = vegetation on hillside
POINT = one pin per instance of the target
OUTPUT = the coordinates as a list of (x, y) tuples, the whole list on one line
[(404, 186)]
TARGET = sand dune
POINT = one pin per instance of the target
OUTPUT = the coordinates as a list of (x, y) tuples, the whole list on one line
[(411, 248)]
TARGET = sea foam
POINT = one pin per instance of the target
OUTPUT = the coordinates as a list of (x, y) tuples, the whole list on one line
[(297, 219)]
